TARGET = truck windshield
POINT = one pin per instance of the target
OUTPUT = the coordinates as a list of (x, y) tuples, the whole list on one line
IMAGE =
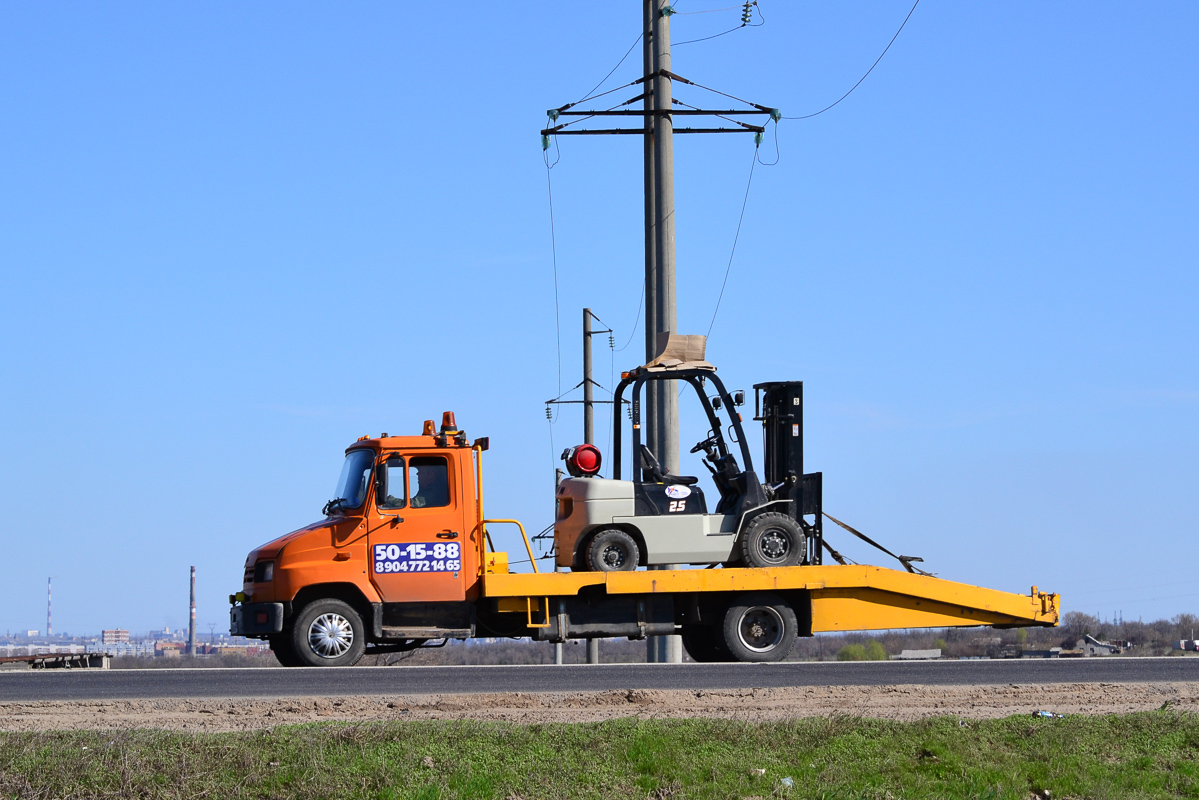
[(355, 477)]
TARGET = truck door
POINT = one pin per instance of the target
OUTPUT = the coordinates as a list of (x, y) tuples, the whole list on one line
[(418, 542)]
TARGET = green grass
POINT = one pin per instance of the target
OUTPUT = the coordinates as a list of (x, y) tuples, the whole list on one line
[(1138, 755)]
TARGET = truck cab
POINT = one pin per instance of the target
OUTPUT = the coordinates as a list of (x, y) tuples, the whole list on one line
[(397, 558)]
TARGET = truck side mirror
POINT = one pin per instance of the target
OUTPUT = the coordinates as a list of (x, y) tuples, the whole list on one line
[(482, 443)]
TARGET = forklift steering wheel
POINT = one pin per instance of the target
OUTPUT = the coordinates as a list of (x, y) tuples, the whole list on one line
[(706, 445)]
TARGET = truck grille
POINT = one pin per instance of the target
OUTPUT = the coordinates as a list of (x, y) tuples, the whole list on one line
[(249, 576)]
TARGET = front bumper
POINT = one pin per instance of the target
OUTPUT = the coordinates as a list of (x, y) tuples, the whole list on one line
[(256, 619)]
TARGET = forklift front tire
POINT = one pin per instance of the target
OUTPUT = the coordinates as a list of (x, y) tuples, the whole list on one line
[(773, 540), (612, 550)]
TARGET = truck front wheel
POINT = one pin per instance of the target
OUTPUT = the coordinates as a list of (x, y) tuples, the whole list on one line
[(759, 627), (327, 633), (281, 647)]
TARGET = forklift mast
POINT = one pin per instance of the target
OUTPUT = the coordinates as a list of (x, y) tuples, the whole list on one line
[(778, 405)]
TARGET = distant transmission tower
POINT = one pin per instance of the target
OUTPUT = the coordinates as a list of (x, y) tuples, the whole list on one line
[(49, 607)]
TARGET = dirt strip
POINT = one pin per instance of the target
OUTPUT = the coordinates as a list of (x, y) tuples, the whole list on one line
[(902, 702)]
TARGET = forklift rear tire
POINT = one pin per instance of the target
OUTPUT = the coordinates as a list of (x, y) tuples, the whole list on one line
[(773, 540), (759, 628), (703, 644), (612, 550), (328, 633)]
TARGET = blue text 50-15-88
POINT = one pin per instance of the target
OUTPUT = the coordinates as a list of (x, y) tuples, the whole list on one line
[(418, 557)]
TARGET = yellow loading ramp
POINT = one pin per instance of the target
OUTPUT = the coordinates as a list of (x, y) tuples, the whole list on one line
[(844, 598)]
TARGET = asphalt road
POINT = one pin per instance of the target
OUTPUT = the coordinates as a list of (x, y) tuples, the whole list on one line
[(27, 685)]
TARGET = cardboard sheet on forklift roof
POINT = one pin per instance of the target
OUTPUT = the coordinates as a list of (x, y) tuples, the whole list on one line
[(678, 351)]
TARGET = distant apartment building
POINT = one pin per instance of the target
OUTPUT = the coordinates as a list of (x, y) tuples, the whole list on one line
[(123, 648), (114, 636)]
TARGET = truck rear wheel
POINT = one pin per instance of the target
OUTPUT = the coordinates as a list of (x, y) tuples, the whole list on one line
[(612, 550), (759, 627), (703, 644), (328, 633), (773, 540)]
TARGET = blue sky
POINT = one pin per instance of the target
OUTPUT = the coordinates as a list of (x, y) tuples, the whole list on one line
[(234, 238)]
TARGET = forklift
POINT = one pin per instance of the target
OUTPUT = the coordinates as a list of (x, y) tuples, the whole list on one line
[(615, 525)]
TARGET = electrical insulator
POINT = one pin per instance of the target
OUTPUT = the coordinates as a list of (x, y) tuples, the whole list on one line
[(549, 414), (747, 13), (611, 342)]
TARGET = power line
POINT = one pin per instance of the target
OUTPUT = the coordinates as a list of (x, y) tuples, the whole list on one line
[(707, 11), (872, 66), (777, 157), (737, 236), (707, 38), (545, 155), (636, 319), (746, 12), (554, 250), (609, 75)]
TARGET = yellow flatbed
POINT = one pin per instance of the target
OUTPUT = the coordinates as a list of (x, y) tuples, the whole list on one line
[(843, 598)]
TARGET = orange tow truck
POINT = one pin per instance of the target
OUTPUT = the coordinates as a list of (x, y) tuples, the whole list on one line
[(404, 558)]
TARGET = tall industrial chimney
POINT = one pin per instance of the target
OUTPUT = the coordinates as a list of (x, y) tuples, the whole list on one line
[(49, 608), (191, 628)]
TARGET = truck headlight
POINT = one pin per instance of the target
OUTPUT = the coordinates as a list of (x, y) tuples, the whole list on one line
[(264, 572)]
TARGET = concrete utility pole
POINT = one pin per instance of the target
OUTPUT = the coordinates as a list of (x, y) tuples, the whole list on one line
[(648, 12), (660, 416), (593, 656), (557, 645), (588, 394), (662, 410), (191, 628), (665, 409)]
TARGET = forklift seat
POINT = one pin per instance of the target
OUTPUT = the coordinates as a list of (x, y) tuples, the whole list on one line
[(661, 475)]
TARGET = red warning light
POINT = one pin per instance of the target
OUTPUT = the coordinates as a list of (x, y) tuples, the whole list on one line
[(583, 460)]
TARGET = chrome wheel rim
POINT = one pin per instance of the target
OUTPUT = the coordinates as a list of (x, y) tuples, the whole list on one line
[(760, 629), (774, 545), (330, 635)]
